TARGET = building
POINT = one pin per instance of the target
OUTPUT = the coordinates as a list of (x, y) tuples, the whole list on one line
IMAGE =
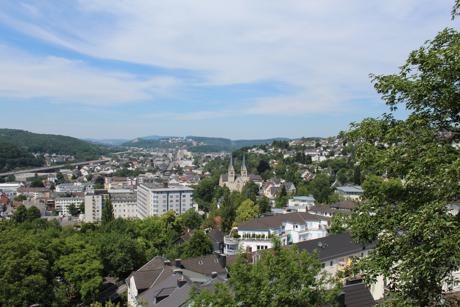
[(256, 234), (337, 252), (124, 204), (161, 282), (34, 192), (231, 180), (352, 192), (154, 201), (76, 187), (10, 188), (301, 203), (62, 204), (93, 206)]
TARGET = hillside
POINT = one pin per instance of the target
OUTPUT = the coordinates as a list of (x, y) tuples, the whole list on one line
[(17, 146), (197, 143)]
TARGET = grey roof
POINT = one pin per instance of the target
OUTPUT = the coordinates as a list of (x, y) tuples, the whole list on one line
[(350, 189), (358, 295), (334, 246), (304, 198), (150, 273), (277, 220), (204, 265)]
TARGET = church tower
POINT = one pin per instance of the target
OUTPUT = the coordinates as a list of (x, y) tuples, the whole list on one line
[(231, 171), (244, 170)]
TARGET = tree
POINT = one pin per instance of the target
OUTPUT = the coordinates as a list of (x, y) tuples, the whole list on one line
[(263, 166), (10, 178), (107, 212), (99, 182), (33, 213), (264, 204), (191, 219), (227, 211), (81, 207), (198, 245), (37, 182), (250, 190), (73, 210), (20, 214), (246, 211), (320, 188), (344, 175), (416, 174), (283, 276)]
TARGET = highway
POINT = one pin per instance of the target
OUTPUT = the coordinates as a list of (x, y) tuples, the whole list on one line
[(50, 168)]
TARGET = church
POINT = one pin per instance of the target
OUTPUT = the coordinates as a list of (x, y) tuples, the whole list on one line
[(233, 182)]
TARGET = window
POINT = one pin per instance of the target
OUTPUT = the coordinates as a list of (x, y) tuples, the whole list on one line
[(331, 263)]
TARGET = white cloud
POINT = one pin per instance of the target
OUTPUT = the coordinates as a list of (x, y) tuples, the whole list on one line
[(62, 80), (325, 49)]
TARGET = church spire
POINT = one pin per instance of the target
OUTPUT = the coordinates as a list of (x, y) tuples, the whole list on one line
[(244, 170), (231, 170)]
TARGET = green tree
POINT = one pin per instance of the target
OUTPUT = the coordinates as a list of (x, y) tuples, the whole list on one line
[(191, 219), (37, 182), (80, 267), (320, 188), (418, 171), (247, 210), (250, 190), (81, 207), (264, 204), (33, 213), (262, 167), (107, 211), (73, 210), (227, 211), (199, 244), (20, 214), (282, 198), (283, 276)]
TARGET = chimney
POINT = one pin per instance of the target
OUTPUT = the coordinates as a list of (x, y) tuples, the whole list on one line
[(167, 262), (181, 281), (178, 262), (214, 274)]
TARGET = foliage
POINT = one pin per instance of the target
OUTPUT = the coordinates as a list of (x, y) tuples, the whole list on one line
[(73, 210), (32, 213), (205, 190), (48, 143), (282, 198), (13, 157), (107, 212), (418, 174), (320, 188), (190, 219), (264, 204), (250, 190), (247, 210), (37, 182), (199, 244), (20, 197), (283, 276)]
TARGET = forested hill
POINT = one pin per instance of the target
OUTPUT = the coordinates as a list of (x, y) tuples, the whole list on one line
[(198, 143), (17, 146)]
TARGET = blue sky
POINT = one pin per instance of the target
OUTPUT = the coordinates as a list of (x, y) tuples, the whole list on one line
[(237, 69)]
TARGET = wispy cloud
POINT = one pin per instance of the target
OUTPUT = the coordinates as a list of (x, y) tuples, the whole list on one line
[(62, 80)]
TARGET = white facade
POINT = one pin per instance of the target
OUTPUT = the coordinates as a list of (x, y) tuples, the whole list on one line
[(76, 187), (62, 204), (93, 208), (124, 204), (301, 203), (155, 201), (10, 188), (350, 192)]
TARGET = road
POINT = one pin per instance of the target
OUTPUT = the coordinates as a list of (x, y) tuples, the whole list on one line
[(50, 168)]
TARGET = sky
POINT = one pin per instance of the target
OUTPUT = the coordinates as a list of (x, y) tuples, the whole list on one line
[(238, 69)]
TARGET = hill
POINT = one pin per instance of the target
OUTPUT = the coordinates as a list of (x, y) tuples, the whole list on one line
[(197, 143), (17, 148)]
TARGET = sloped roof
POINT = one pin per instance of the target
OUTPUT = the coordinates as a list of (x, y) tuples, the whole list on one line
[(334, 246), (153, 271), (358, 295), (277, 220), (204, 264)]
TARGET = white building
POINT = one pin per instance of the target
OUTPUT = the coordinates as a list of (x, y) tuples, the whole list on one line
[(352, 192), (301, 203), (256, 234), (62, 204), (124, 204), (154, 201), (93, 207), (10, 188), (75, 187)]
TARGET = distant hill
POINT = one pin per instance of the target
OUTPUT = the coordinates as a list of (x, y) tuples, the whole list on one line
[(197, 143), (22, 144), (108, 142)]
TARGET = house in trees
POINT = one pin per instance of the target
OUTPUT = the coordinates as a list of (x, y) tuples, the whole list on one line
[(256, 234)]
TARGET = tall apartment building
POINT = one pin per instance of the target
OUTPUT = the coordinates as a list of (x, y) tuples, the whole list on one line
[(154, 201), (93, 207), (62, 204)]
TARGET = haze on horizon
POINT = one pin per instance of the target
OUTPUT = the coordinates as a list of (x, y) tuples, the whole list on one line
[(239, 69)]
